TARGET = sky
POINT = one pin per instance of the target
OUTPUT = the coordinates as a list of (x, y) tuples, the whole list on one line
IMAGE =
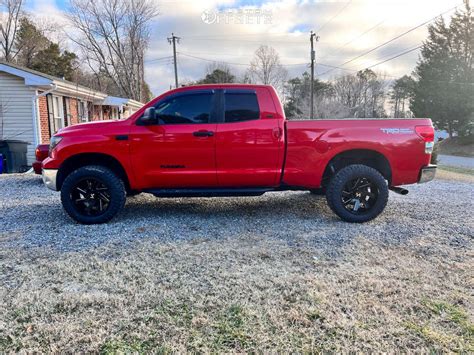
[(230, 31)]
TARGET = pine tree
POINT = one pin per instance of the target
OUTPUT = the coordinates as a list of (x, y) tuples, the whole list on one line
[(445, 76), (29, 41), (54, 62)]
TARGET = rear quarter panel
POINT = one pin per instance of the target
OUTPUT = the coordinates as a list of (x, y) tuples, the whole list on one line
[(312, 144)]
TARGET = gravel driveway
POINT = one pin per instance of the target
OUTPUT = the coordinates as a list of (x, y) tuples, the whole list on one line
[(276, 272)]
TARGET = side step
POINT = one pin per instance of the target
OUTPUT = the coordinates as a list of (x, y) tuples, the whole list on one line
[(229, 192)]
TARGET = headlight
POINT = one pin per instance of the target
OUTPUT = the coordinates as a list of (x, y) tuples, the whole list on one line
[(54, 142)]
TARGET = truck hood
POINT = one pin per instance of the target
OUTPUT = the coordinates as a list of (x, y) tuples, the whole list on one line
[(90, 126)]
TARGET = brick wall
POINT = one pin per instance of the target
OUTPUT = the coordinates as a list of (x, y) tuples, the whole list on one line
[(44, 124), (74, 111), (74, 115)]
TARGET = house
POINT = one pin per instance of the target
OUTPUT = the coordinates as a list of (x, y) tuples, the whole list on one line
[(34, 106)]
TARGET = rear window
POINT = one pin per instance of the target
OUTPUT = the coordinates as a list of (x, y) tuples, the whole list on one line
[(241, 107)]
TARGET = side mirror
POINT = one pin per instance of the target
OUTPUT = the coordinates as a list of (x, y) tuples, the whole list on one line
[(149, 116)]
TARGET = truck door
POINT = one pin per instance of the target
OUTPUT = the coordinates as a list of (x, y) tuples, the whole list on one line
[(179, 150), (249, 139)]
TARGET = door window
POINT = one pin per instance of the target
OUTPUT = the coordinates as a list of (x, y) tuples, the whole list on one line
[(83, 111), (241, 107), (185, 109)]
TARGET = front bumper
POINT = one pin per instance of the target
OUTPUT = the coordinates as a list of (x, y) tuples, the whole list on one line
[(37, 167), (49, 178), (427, 173)]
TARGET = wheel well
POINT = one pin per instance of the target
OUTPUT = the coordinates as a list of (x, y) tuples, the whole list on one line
[(370, 158), (80, 160)]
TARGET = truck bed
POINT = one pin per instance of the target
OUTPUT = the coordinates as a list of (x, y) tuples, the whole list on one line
[(311, 144)]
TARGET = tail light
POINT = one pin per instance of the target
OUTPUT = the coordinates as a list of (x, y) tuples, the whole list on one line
[(427, 134)]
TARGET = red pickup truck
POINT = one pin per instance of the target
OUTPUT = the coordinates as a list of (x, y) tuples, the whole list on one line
[(234, 140)]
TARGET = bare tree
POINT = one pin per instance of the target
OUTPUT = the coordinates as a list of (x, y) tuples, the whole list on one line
[(113, 36), (265, 67), (362, 94), (9, 26)]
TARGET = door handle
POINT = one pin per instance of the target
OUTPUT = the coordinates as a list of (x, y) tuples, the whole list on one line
[(203, 134)]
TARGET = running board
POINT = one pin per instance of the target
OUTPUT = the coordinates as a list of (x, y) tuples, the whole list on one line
[(209, 192)]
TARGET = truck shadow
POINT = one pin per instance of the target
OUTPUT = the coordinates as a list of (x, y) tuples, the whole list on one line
[(288, 216)]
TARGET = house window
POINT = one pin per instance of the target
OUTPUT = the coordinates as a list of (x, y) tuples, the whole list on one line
[(56, 113), (67, 107), (83, 111)]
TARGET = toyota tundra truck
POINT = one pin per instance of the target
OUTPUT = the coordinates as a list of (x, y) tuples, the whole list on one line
[(234, 140)]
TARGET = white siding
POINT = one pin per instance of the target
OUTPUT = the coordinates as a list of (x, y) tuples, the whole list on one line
[(17, 100)]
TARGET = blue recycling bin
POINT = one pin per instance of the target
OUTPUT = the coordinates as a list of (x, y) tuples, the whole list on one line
[(1, 163)]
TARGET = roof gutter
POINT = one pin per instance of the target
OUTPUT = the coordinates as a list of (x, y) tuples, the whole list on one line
[(44, 93)]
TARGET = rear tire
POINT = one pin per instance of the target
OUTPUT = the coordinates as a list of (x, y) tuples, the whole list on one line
[(92, 194), (357, 193)]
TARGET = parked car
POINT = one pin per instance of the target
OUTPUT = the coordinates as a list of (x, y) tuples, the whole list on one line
[(41, 153), (228, 140)]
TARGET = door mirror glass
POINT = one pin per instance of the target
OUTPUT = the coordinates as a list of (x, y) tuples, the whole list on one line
[(149, 116)]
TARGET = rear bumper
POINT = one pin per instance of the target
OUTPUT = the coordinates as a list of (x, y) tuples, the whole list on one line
[(427, 174), (49, 178)]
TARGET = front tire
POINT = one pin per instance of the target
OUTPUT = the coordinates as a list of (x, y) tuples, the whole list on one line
[(357, 193), (92, 194), (318, 192)]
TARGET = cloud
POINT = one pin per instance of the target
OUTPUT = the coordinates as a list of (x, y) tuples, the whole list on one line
[(287, 31)]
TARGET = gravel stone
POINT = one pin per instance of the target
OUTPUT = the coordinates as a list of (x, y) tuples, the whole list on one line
[(32, 217)]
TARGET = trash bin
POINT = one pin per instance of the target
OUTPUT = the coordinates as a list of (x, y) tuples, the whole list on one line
[(1, 164), (14, 156)]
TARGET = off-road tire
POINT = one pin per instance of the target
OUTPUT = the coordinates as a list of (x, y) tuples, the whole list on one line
[(116, 191), (337, 184)]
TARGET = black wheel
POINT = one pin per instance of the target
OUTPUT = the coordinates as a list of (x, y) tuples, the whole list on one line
[(357, 193), (318, 192), (92, 194)]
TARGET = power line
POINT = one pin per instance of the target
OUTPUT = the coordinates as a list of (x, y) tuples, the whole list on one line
[(298, 42), (339, 49), (228, 54), (231, 63), (385, 56), (397, 77), (158, 59), (244, 35), (394, 57), (334, 17), (391, 40)]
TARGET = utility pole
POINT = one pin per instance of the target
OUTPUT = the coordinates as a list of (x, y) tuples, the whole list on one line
[(312, 36), (172, 40)]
